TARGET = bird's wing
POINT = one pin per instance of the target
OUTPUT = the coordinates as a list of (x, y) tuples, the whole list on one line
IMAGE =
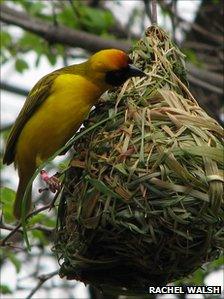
[(35, 98)]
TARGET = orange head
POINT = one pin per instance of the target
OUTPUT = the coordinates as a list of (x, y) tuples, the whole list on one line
[(114, 65), (109, 60)]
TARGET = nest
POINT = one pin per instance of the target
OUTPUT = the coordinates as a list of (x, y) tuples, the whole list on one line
[(142, 203)]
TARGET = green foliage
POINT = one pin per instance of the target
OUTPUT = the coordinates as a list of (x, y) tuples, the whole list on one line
[(76, 15), (66, 17), (39, 235), (192, 57), (6, 39), (95, 20), (14, 260), (48, 221), (43, 219), (30, 41), (199, 276), (10, 256), (5, 289), (21, 65), (35, 8), (7, 199)]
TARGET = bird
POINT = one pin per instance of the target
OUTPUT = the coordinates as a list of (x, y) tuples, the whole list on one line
[(54, 110)]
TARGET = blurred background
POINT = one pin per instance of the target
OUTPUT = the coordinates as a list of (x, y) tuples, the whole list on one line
[(40, 36)]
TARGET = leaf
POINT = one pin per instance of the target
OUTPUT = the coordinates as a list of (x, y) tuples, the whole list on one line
[(6, 39), (29, 40), (43, 219), (7, 199), (66, 17), (95, 20), (33, 7), (39, 236), (5, 289), (37, 7), (52, 58), (37, 61), (133, 227), (100, 186), (21, 65), (14, 260), (120, 167), (216, 264), (213, 153)]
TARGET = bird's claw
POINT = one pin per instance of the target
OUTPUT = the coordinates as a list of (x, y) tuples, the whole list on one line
[(53, 182)]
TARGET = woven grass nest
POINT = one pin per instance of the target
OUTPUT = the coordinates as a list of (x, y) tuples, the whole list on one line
[(143, 199)]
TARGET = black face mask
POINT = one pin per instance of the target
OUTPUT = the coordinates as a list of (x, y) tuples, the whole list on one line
[(118, 77)]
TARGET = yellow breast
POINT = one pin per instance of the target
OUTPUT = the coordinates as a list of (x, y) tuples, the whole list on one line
[(59, 117)]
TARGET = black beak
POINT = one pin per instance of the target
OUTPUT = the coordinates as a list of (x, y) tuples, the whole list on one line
[(133, 71)]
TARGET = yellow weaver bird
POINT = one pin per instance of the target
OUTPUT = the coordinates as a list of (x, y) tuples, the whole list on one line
[(56, 107)]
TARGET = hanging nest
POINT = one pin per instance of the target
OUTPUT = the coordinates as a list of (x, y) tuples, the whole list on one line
[(142, 203)]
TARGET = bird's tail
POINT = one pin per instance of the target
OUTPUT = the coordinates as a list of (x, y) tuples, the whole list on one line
[(18, 204)]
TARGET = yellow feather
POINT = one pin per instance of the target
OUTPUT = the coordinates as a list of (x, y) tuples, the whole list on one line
[(54, 123), (58, 118)]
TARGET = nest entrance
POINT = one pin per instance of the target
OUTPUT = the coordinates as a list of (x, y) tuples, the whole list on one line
[(143, 203)]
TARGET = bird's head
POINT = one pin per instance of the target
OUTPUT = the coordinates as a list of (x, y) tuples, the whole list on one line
[(113, 66)]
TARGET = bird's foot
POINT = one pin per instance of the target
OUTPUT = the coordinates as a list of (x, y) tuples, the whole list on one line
[(53, 182)]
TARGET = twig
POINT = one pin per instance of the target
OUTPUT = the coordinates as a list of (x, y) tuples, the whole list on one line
[(3, 241), (44, 208), (39, 227), (154, 12), (205, 85), (203, 74), (8, 227), (174, 19), (147, 9), (43, 228), (14, 89), (42, 279), (54, 14)]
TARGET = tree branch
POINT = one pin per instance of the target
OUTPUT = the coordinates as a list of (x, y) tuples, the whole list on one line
[(91, 42), (42, 280), (147, 9), (3, 242), (212, 78), (59, 34), (154, 12), (202, 83), (14, 89), (9, 227)]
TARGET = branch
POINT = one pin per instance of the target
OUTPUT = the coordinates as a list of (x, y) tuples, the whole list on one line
[(154, 12), (59, 34), (212, 78), (91, 42), (9, 227), (148, 10), (3, 242), (42, 280), (205, 85), (14, 89)]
